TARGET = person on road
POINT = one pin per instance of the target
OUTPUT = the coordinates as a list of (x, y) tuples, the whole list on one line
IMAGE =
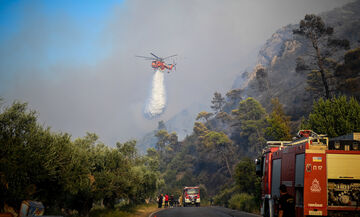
[(180, 201), (166, 200), (160, 200), (286, 203), (171, 201)]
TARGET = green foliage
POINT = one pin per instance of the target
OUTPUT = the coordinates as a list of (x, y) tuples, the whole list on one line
[(217, 140), (29, 157), (335, 117), (223, 197), (348, 74), (223, 117), (166, 142), (233, 97), (313, 27), (249, 109), (162, 136), (244, 202), (279, 123), (128, 150), (204, 115), (37, 164), (200, 129), (245, 176), (250, 119)]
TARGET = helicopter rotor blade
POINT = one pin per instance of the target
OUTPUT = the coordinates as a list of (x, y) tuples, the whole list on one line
[(147, 58), (159, 58), (170, 56)]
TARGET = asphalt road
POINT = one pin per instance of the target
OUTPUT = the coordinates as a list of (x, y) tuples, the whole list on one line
[(201, 211)]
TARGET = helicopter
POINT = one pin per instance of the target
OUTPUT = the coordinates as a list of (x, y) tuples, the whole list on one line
[(159, 62)]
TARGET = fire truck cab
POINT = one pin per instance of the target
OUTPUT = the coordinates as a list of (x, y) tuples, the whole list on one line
[(191, 196), (323, 175)]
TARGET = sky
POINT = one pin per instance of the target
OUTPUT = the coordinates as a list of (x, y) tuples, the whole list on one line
[(74, 61)]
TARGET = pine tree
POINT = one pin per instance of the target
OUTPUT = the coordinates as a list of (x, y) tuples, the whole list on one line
[(348, 74), (217, 102), (279, 123), (314, 29), (335, 116)]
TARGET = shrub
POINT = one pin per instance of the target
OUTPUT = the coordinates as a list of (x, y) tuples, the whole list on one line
[(223, 197), (244, 202)]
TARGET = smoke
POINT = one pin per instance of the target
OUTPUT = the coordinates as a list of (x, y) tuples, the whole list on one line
[(156, 103), (80, 82)]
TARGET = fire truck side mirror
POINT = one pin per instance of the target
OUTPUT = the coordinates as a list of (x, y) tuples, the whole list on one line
[(258, 167)]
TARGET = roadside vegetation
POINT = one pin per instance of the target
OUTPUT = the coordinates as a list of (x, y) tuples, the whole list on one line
[(143, 210), (221, 159), (68, 176)]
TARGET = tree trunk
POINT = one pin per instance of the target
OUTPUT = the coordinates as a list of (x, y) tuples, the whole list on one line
[(321, 67), (227, 164), (85, 209), (258, 149)]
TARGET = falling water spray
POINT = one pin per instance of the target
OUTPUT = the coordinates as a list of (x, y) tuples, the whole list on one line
[(156, 103)]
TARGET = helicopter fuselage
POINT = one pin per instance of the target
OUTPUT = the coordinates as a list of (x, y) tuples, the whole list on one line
[(161, 65)]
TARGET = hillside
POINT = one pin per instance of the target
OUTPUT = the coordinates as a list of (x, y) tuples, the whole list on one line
[(278, 59), (181, 123), (236, 133)]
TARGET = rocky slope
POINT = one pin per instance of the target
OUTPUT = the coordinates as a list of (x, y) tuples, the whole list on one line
[(277, 58)]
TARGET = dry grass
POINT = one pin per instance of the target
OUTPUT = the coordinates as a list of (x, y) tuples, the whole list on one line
[(145, 210), (138, 211)]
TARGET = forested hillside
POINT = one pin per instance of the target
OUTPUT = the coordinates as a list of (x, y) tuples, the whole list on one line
[(299, 82), (287, 64), (278, 72)]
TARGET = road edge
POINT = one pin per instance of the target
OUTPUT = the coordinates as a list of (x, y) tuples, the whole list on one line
[(229, 211), (151, 215)]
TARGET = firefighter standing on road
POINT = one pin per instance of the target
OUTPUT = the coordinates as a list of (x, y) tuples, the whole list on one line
[(166, 200), (286, 203), (171, 201), (180, 201), (160, 200)]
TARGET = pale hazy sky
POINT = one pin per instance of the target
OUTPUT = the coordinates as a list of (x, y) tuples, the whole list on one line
[(75, 64)]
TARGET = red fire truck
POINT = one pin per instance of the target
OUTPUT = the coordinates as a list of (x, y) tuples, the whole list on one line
[(191, 196), (323, 175)]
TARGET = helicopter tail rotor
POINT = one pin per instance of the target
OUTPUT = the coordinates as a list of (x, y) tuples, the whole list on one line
[(174, 64)]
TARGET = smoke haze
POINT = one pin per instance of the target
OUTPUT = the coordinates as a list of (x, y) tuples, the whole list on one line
[(101, 87)]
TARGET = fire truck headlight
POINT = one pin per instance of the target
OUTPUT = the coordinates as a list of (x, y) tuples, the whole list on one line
[(355, 146), (337, 145)]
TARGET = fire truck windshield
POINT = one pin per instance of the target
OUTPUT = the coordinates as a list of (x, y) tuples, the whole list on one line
[(192, 191)]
